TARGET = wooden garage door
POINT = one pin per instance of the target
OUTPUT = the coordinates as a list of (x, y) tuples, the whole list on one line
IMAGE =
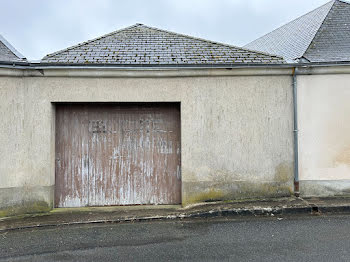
[(117, 154)]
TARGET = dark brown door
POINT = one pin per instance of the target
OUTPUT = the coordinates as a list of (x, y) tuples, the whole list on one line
[(117, 154)]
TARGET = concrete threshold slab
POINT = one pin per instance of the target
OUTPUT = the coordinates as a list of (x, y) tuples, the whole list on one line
[(94, 215), (114, 208)]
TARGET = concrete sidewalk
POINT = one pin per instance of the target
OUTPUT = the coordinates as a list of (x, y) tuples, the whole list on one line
[(282, 206)]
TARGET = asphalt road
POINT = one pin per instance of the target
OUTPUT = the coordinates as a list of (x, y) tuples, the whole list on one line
[(259, 239)]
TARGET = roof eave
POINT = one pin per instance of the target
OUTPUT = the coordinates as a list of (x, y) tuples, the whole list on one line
[(30, 65), (111, 65)]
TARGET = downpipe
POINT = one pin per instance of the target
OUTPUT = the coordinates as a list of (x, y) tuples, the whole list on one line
[(295, 132)]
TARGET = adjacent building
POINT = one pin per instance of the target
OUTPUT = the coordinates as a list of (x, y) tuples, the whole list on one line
[(320, 37)]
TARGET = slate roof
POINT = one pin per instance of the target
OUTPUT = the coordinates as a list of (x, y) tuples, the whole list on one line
[(323, 35), (144, 45), (8, 53), (332, 41)]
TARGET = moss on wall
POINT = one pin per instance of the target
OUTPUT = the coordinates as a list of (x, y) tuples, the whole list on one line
[(32, 207), (229, 186), (210, 195)]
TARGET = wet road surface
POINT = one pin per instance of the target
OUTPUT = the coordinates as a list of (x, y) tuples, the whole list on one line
[(309, 238)]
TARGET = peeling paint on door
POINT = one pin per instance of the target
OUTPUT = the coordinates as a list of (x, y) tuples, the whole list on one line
[(117, 154)]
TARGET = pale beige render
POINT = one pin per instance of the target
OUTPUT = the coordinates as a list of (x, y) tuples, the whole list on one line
[(324, 127), (237, 131)]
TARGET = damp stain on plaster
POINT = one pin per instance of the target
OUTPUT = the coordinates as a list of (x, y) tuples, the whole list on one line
[(210, 195), (31, 207), (343, 157), (224, 186)]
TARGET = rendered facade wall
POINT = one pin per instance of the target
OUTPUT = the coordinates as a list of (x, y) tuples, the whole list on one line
[(236, 133), (324, 134)]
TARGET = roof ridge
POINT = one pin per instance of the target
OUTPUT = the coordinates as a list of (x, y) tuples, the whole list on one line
[(296, 20), (330, 9), (11, 48), (160, 30), (91, 40), (127, 41), (210, 41)]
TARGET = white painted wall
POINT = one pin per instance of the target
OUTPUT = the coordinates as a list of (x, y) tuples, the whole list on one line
[(324, 133), (324, 124)]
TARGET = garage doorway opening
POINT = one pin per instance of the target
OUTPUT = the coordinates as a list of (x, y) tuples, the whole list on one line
[(117, 154)]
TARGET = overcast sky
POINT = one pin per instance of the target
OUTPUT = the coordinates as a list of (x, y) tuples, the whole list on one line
[(39, 27)]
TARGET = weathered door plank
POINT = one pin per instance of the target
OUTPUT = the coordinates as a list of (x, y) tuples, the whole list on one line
[(72, 156)]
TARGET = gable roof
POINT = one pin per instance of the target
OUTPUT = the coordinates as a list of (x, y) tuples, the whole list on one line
[(8, 53), (142, 45), (321, 35)]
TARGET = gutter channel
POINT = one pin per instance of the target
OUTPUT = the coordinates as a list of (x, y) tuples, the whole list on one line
[(35, 66)]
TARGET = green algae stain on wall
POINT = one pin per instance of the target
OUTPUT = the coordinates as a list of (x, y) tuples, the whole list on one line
[(226, 186), (32, 207), (284, 173), (210, 195)]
